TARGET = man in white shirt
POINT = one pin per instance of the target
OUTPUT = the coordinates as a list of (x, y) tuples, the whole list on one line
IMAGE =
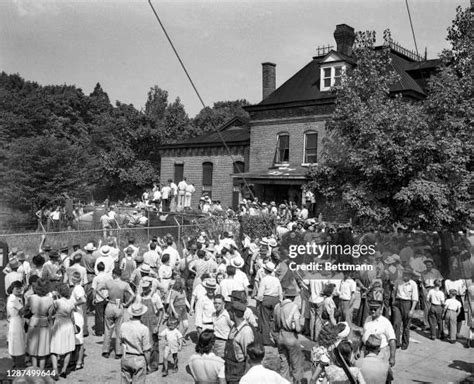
[(435, 300), (406, 297), (181, 193), (166, 196), (269, 295), (105, 258), (189, 191), (347, 290), (174, 254), (238, 262), (257, 372), (152, 257), (230, 284), (205, 307), (376, 324)]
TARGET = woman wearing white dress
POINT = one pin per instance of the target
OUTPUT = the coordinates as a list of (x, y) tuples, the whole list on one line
[(78, 297), (16, 330), (63, 342)]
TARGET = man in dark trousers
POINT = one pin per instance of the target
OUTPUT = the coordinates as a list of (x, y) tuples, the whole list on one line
[(240, 336)]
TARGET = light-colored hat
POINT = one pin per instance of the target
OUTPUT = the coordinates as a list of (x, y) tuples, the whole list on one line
[(389, 260), (146, 283), (230, 234), (201, 240), (264, 241), (269, 266), (105, 250), (272, 203), (209, 283), (129, 251), (211, 248), (137, 309), (145, 268), (429, 260), (345, 332), (237, 262), (272, 242)]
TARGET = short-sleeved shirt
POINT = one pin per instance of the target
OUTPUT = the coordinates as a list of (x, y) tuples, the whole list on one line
[(373, 368), (135, 337), (100, 280), (380, 326), (205, 368), (222, 324), (77, 294), (452, 304), (171, 338), (435, 297), (407, 290), (270, 286), (260, 374), (347, 288), (205, 313)]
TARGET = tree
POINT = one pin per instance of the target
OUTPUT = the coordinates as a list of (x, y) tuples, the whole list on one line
[(209, 119), (389, 159)]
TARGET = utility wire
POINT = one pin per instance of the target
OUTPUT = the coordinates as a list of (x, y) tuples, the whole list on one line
[(412, 29), (200, 98)]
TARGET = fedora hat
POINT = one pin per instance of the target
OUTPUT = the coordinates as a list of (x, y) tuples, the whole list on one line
[(269, 266), (89, 247), (105, 250), (429, 260), (237, 262), (137, 309), (209, 283), (201, 240), (264, 241), (238, 296)]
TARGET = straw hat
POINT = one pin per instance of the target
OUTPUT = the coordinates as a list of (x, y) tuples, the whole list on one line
[(237, 262), (209, 283), (89, 247), (137, 309), (269, 266), (105, 250)]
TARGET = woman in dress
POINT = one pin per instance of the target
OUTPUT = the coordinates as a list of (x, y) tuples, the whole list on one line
[(78, 298), (178, 305), (39, 334), (16, 326), (63, 341)]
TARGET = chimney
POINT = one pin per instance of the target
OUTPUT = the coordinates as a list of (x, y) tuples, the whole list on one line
[(268, 79), (345, 37)]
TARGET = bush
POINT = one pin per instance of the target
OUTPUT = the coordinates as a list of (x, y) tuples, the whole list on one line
[(257, 226)]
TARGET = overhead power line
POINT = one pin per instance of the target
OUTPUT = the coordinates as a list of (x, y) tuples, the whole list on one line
[(411, 25)]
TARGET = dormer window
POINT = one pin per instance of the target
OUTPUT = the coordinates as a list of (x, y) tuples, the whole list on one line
[(282, 153), (331, 76)]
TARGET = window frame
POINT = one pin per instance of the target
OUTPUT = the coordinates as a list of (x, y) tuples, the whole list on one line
[(207, 187), (178, 165), (333, 78), (305, 142), (276, 161)]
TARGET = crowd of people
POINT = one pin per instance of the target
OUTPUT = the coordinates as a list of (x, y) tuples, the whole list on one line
[(242, 296)]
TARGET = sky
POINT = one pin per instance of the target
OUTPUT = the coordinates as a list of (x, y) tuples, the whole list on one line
[(222, 42)]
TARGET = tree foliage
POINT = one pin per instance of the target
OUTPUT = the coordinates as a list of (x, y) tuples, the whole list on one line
[(391, 159)]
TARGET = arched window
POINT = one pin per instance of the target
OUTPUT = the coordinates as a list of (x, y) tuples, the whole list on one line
[(282, 153), (207, 170), (310, 147)]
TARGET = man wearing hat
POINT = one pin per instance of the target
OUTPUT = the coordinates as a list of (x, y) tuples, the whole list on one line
[(135, 338), (379, 325), (106, 258), (238, 263), (269, 295), (249, 315), (240, 336), (205, 307), (120, 297), (373, 368), (406, 297), (288, 325)]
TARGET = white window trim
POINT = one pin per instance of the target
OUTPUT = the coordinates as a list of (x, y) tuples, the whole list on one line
[(284, 164), (333, 74), (303, 164)]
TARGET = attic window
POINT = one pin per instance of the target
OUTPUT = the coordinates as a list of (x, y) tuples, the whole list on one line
[(331, 76)]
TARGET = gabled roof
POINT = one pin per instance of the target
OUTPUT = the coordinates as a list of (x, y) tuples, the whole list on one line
[(305, 84), (234, 132)]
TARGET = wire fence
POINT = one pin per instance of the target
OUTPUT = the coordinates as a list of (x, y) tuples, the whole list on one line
[(30, 242)]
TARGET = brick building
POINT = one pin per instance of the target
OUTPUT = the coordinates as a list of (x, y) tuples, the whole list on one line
[(206, 163), (288, 126), (286, 129)]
